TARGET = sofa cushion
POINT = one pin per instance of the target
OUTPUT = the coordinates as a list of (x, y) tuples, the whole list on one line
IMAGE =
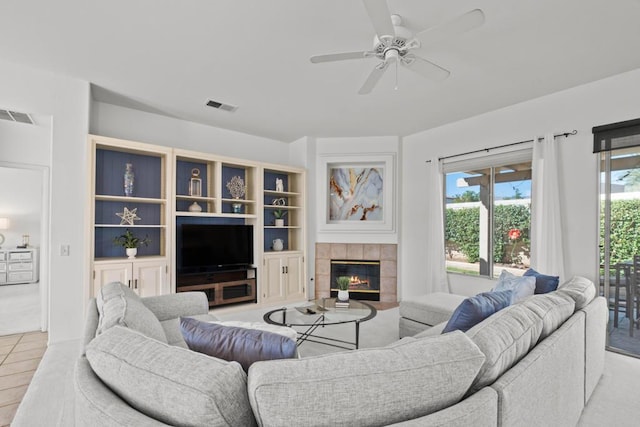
[(580, 289), (475, 309), (119, 305), (430, 309), (544, 283), (522, 286), (377, 386), (171, 384), (504, 339), (245, 346), (553, 308)]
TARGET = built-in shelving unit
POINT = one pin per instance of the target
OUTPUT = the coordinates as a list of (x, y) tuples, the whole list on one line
[(173, 187), (149, 203)]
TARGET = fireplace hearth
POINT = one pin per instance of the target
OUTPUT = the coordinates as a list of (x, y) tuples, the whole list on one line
[(364, 278)]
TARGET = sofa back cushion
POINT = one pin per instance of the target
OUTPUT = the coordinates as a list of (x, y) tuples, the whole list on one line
[(244, 345), (580, 289), (504, 339), (553, 308), (475, 309), (171, 384), (378, 386), (119, 305)]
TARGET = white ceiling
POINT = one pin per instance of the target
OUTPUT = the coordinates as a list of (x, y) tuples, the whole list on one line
[(169, 57)]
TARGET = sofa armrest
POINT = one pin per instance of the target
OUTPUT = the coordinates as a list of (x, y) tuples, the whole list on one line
[(172, 306)]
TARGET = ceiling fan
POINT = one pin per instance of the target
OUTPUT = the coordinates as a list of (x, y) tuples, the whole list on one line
[(394, 44)]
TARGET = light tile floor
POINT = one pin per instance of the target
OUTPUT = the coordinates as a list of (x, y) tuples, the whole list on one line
[(20, 355)]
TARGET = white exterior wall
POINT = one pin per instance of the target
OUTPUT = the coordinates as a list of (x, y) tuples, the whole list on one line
[(606, 101)]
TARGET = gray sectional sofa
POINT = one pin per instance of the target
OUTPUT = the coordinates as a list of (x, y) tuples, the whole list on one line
[(532, 363)]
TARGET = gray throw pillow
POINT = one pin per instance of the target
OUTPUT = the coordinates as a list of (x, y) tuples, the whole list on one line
[(119, 305), (243, 345), (170, 384)]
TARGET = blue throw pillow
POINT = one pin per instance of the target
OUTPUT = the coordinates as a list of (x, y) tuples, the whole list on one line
[(474, 310), (544, 283), (232, 343), (522, 287)]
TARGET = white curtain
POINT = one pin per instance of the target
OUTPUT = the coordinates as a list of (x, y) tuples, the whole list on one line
[(436, 274), (547, 253)]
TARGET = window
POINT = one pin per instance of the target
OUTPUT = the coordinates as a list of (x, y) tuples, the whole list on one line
[(488, 214)]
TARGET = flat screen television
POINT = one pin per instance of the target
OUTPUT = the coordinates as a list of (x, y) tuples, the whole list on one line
[(214, 247)]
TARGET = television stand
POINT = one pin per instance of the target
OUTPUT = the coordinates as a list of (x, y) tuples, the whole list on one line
[(222, 287)]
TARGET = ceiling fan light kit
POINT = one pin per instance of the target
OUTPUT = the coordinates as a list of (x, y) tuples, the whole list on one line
[(394, 43)]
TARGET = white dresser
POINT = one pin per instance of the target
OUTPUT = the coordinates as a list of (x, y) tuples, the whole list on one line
[(18, 266)]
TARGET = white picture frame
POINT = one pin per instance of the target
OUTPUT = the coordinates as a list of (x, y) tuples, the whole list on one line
[(366, 214)]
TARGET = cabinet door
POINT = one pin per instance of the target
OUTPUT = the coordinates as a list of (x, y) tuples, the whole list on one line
[(149, 278), (294, 270), (273, 280), (107, 273)]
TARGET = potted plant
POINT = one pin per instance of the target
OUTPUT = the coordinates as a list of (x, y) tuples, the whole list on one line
[(131, 243), (343, 287), (279, 214)]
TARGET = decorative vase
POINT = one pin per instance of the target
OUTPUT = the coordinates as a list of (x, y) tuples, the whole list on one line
[(129, 177), (195, 207), (343, 295), (279, 222), (237, 208), (278, 244), (131, 252)]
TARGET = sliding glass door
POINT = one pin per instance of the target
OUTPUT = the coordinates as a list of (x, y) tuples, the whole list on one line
[(620, 241)]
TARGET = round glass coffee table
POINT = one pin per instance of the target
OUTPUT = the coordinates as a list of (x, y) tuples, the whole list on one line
[(322, 313)]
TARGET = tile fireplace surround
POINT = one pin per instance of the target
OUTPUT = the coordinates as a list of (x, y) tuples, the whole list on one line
[(387, 254)]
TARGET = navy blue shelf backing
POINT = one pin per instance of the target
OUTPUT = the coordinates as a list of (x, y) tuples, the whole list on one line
[(149, 213), (105, 248), (270, 180), (183, 175), (110, 167)]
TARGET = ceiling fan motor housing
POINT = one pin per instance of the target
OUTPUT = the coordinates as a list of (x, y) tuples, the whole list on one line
[(394, 46)]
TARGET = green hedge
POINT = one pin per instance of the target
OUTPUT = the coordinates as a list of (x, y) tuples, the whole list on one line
[(462, 231), (625, 230)]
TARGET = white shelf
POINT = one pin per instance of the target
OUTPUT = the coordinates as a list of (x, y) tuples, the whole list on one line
[(280, 193), (280, 207), (196, 198), (215, 215), (130, 226), (134, 199), (286, 226), (242, 201)]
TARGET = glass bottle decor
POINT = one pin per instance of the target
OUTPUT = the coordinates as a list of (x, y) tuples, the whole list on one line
[(195, 183), (129, 177)]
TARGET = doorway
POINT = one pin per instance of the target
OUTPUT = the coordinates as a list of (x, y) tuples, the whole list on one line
[(24, 290)]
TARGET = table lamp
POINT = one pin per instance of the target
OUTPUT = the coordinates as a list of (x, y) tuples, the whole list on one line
[(4, 225)]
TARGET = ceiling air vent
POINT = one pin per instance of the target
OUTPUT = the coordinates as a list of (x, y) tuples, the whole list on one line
[(14, 116), (221, 106)]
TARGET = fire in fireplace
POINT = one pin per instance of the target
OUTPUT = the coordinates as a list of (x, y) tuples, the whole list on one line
[(364, 275)]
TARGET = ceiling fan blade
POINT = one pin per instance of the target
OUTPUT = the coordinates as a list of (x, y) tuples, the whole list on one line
[(462, 23), (425, 68), (380, 17), (338, 56), (373, 78)]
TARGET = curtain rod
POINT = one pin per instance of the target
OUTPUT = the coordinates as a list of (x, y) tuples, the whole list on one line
[(565, 134)]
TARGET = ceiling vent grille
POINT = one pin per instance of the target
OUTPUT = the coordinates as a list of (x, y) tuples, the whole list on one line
[(14, 116), (220, 106)]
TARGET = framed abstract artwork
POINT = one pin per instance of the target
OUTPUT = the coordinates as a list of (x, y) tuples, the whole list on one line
[(358, 192)]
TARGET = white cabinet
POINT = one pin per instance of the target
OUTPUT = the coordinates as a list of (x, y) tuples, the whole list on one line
[(18, 266), (283, 277), (145, 277)]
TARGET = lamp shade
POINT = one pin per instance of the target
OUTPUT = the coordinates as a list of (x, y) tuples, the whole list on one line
[(4, 223)]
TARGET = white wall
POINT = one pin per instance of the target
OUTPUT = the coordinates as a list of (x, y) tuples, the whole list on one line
[(610, 100), (21, 196), (66, 100), (364, 146), (125, 123)]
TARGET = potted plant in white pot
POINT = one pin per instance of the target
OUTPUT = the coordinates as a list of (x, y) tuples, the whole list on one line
[(131, 243), (343, 287), (279, 214)]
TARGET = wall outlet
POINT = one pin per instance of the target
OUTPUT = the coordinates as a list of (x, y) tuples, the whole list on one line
[(64, 250)]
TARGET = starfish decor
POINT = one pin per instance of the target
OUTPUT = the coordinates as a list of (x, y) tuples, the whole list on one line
[(128, 216)]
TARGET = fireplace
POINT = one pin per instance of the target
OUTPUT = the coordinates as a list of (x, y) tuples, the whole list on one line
[(385, 254), (364, 278)]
